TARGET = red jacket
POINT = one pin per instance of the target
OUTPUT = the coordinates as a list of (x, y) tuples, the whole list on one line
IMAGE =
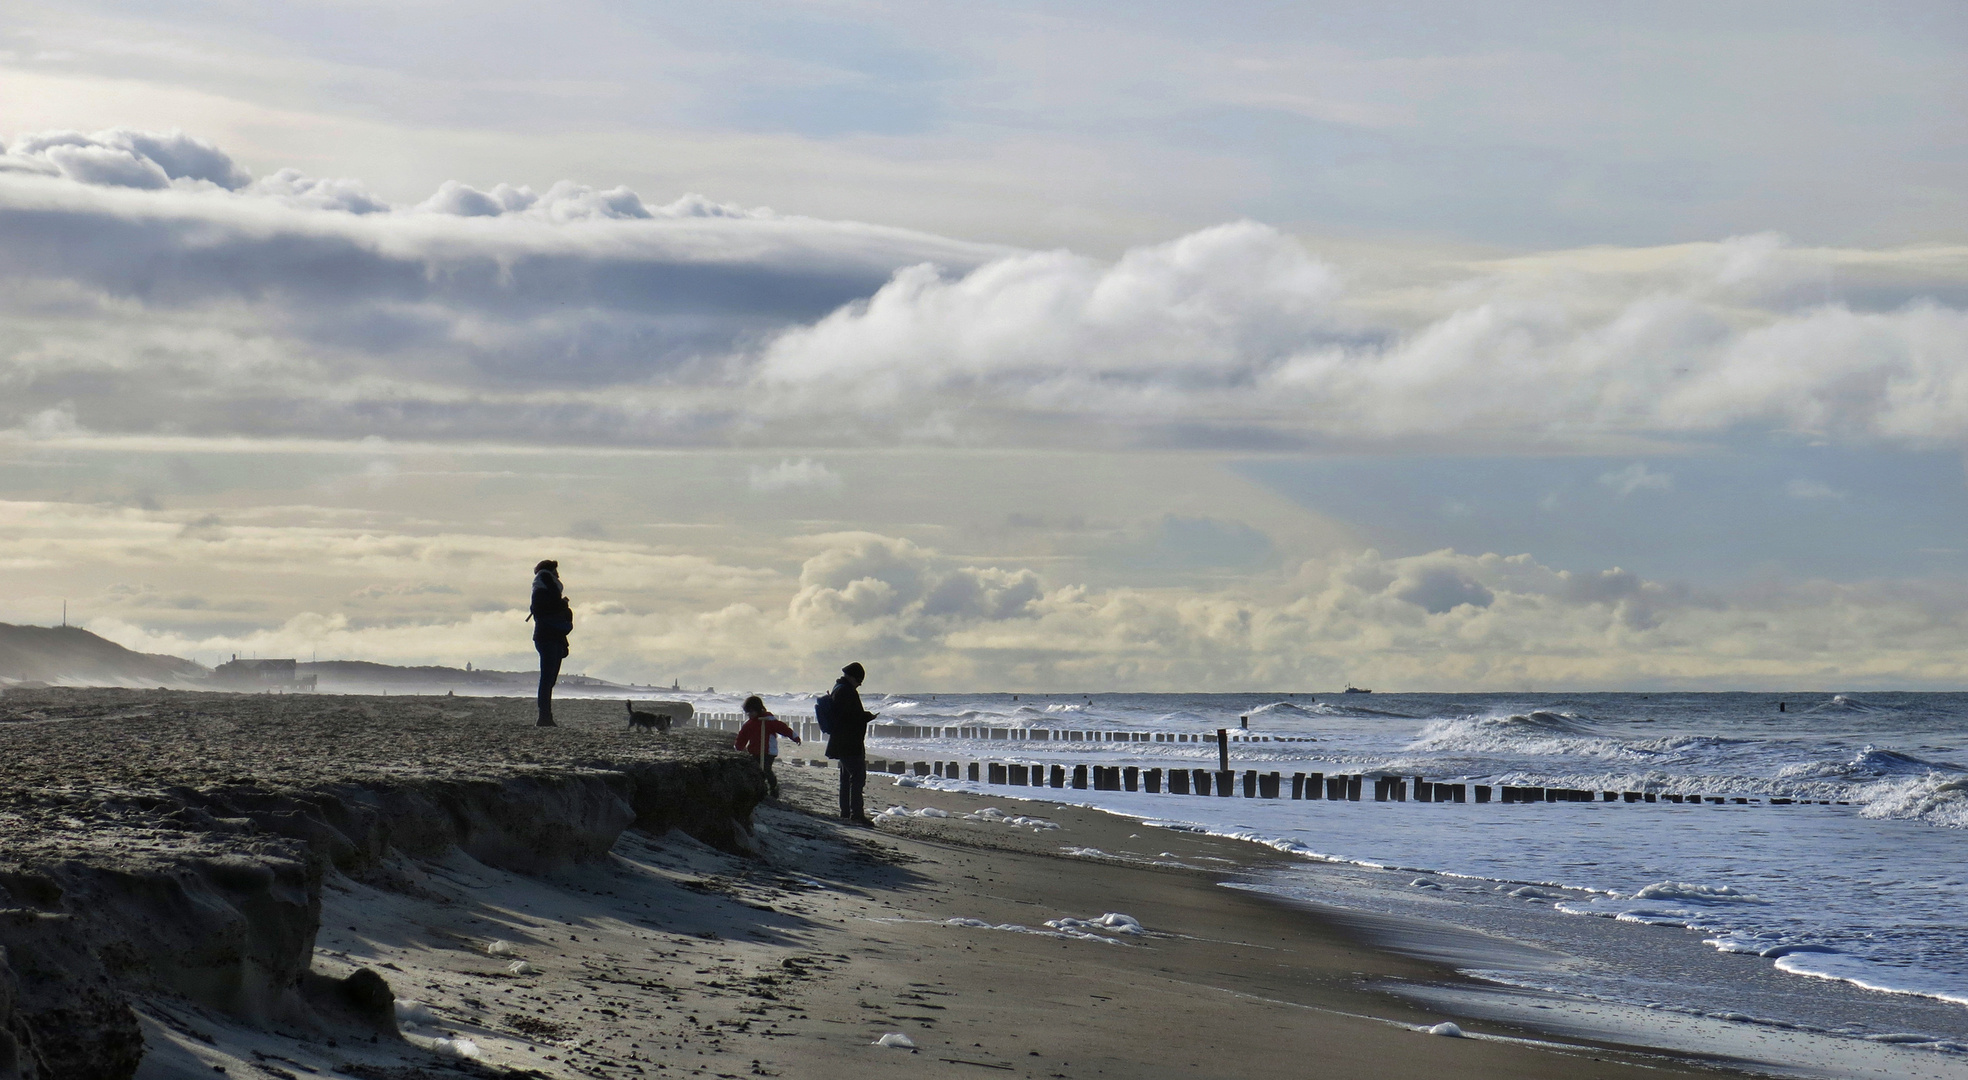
[(751, 737)]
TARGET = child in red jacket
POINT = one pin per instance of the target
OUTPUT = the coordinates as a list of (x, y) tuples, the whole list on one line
[(760, 738)]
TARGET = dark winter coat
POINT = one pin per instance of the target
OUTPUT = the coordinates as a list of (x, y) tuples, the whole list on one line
[(553, 618), (849, 739)]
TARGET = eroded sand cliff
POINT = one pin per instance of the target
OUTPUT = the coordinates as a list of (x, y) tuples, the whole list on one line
[(177, 843)]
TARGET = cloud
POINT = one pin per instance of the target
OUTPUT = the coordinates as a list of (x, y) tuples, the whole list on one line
[(805, 474), (1637, 477), (1440, 589), (885, 593), (283, 584), (302, 192), (1238, 332), (425, 588), (53, 423), (123, 158), (152, 284)]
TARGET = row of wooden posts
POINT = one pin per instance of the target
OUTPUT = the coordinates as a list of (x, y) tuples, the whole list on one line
[(810, 732), (1225, 783)]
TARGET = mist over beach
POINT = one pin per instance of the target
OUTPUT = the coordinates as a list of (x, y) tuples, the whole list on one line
[(1515, 396)]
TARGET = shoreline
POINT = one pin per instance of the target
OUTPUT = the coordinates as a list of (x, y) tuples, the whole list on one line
[(657, 954), (1493, 969)]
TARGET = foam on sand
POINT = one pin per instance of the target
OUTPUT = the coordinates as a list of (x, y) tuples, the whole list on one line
[(1052, 930), (1112, 921), (1870, 975)]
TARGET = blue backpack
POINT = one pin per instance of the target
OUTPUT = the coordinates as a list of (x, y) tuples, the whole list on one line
[(823, 712)]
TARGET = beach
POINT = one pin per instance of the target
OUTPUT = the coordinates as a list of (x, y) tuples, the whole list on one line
[(1038, 940), (587, 901), (675, 959)]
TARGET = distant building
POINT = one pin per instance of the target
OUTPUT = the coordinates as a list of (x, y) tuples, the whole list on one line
[(262, 675)]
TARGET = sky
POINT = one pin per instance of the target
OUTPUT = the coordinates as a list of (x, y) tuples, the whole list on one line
[(1051, 347)]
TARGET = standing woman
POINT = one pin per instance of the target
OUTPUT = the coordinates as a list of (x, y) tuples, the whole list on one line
[(553, 620)]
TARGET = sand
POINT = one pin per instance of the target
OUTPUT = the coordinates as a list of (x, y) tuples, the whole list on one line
[(675, 959)]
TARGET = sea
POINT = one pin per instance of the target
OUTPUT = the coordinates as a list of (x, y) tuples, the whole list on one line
[(1841, 916)]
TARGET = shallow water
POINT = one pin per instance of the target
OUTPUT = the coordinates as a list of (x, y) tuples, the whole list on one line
[(1829, 898)]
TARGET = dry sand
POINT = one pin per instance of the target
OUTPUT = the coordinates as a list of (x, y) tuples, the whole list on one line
[(675, 959)]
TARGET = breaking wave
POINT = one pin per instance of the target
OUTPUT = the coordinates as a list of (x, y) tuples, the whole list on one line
[(1707, 894), (1936, 799), (1868, 764), (1538, 732)]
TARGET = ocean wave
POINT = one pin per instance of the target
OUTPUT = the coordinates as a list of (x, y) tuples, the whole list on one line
[(1706, 894), (1846, 703), (1870, 763), (1347, 709), (1936, 799), (1538, 732), (1568, 735), (1284, 710), (1872, 976)]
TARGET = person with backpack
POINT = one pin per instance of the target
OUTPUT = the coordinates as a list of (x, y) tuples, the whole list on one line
[(553, 620), (759, 737), (846, 723)]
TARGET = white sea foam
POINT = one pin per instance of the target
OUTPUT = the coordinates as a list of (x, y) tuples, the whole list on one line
[(1936, 799), (1112, 921), (1049, 931), (900, 812), (1020, 821)]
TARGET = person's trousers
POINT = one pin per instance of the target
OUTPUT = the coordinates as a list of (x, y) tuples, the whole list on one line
[(771, 782), (854, 782), (551, 654)]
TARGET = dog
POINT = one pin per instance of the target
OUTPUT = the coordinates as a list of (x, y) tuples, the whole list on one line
[(658, 722)]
